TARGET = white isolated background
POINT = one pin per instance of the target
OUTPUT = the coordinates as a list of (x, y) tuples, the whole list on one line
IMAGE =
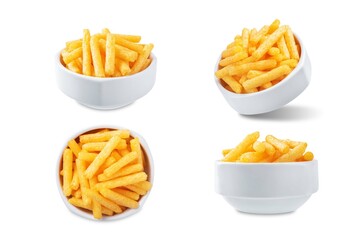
[(184, 119)]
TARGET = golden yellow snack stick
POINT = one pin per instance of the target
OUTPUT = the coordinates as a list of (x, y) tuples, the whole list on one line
[(102, 200), (267, 77), (80, 165), (231, 51), (261, 33), (233, 59), (273, 51), (145, 185), (251, 157), (96, 206), (308, 156), (72, 45), (136, 147), (244, 68), (86, 53), (292, 47), (96, 57), (293, 154), (269, 42), (75, 148), (266, 85), (245, 39), (142, 58), (79, 203), (274, 26), (136, 189), (278, 144), (123, 181), (104, 136), (124, 67), (118, 198), (252, 90), (67, 174), (71, 56), (102, 156), (291, 143), (283, 48), (292, 63), (252, 35), (111, 170), (72, 66), (98, 146), (128, 44), (86, 156), (234, 85), (131, 38), (110, 55), (127, 193), (259, 147), (127, 170), (241, 147), (75, 179), (254, 73)]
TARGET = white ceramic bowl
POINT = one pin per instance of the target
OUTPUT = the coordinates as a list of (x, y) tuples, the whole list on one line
[(149, 169), (105, 93), (266, 188), (274, 97)]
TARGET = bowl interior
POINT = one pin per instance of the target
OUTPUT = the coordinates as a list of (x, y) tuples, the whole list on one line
[(148, 169)]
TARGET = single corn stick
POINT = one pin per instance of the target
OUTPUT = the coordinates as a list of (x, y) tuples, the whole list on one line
[(86, 53), (308, 156), (102, 156), (75, 179), (241, 147), (131, 38), (259, 147), (103, 201), (80, 165), (292, 47), (86, 156), (274, 26), (269, 42), (273, 51), (110, 55), (278, 144), (96, 206), (233, 59), (267, 77), (254, 73), (127, 193), (104, 136), (123, 181), (235, 86), (136, 189), (71, 56), (118, 198), (98, 146), (96, 57), (75, 148), (145, 185), (128, 44), (127, 170), (67, 174), (283, 48), (293, 154), (79, 203), (251, 157), (72, 45), (245, 39), (231, 51), (111, 170), (136, 147), (292, 63)]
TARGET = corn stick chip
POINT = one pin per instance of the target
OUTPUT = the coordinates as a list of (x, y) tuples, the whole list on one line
[(110, 55), (273, 51), (104, 136), (136, 189), (79, 203), (118, 198), (75, 148), (75, 179), (120, 163), (128, 44), (123, 181), (127, 193), (127, 170), (86, 156), (231, 51), (261, 33), (245, 39), (270, 150), (142, 58), (250, 157), (266, 86), (102, 156), (233, 59), (86, 53), (259, 147), (241, 148), (98, 146), (252, 35), (67, 174), (254, 73), (80, 165), (136, 147), (290, 143), (72, 45), (96, 57), (308, 156), (274, 26), (131, 38), (103, 201), (145, 185), (283, 48), (293, 154), (252, 90), (266, 77), (289, 38), (278, 144), (292, 63), (269, 42), (96, 209), (235, 86)]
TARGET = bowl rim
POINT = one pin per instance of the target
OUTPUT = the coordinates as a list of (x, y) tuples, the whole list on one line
[(220, 162), (60, 65), (127, 212), (302, 59)]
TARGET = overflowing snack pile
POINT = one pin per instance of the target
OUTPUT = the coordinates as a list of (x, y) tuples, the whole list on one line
[(257, 60), (106, 54), (250, 150), (104, 172)]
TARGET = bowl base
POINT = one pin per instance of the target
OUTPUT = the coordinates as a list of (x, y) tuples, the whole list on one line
[(97, 107), (267, 205)]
